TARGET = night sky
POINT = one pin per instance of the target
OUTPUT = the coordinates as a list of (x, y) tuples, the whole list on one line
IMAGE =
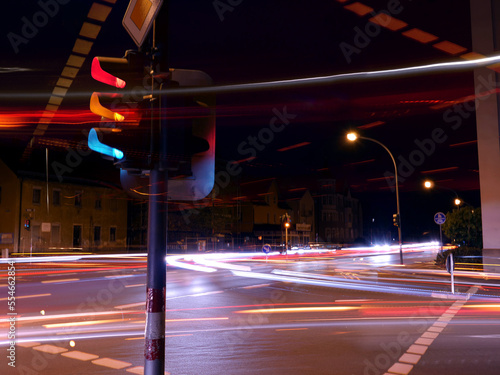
[(254, 41)]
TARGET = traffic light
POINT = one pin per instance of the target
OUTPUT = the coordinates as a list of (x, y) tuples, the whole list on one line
[(190, 122), (117, 109), (27, 224), (395, 220), (187, 119)]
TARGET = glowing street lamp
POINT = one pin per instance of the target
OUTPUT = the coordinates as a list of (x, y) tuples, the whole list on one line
[(353, 137), (287, 225), (429, 184)]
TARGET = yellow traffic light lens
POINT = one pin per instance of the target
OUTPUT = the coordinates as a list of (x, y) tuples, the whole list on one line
[(97, 108)]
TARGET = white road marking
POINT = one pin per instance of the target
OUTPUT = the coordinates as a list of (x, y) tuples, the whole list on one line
[(81, 356), (420, 346), (111, 363), (51, 349)]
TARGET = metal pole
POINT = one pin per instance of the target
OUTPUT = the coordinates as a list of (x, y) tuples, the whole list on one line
[(397, 193), (154, 353), (286, 238), (452, 266), (441, 237), (154, 350)]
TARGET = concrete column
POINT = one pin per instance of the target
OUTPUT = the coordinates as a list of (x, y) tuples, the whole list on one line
[(485, 24)]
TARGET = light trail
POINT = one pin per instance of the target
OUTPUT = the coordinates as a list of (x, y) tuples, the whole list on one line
[(341, 78)]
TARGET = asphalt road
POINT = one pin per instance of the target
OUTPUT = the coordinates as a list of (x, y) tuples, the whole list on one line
[(336, 313)]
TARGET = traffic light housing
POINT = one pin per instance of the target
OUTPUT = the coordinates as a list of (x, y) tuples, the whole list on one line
[(395, 220), (27, 224), (189, 125), (190, 144)]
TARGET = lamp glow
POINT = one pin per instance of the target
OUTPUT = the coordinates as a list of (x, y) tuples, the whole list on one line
[(428, 184), (352, 137), (458, 201)]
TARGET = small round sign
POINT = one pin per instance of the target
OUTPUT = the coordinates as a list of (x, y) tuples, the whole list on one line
[(439, 218), (266, 248)]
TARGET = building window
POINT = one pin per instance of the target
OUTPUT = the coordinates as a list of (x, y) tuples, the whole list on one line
[(37, 194), (77, 235), (56, 197), (98, 204), (78, 199), (97, 235), (112, 234), (55, 233)]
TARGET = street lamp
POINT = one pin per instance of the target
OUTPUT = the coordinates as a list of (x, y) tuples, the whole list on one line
[(429, 184), (287, 225), (353, 137)]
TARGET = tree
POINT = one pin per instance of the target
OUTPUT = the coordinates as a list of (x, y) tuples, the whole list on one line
[(463, 226)]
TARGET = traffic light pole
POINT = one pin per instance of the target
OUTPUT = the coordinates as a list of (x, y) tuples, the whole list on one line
[(154, 350), (154, 353)]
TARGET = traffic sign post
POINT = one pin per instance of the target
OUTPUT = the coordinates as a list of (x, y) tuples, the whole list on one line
[(439, 219), (450, 266), (266, 249)]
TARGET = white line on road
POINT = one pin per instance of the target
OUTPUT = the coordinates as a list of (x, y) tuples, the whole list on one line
[(416, 351)]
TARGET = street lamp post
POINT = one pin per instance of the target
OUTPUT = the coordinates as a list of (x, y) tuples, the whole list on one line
[(353, 137), (287, 225)]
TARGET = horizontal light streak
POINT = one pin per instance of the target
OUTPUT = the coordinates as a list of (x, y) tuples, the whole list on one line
[(59, 281), (448, 169), (302, 144), (290, 329), (175, 261), (371, 125), (487, 306), (297, 310), (463, 143), (194, 319), (30, 296), (64, 316), (78, 324), (344, 77)]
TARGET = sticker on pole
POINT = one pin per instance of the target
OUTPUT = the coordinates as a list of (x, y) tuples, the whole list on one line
[(266, 248), (139, 18), (439, 218)]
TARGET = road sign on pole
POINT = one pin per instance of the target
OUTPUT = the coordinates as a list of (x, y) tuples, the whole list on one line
[(439, 218), (266, 248), (139, 18)]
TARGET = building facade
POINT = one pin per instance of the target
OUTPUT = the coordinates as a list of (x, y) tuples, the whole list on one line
[(339, 217), (42, 216)]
